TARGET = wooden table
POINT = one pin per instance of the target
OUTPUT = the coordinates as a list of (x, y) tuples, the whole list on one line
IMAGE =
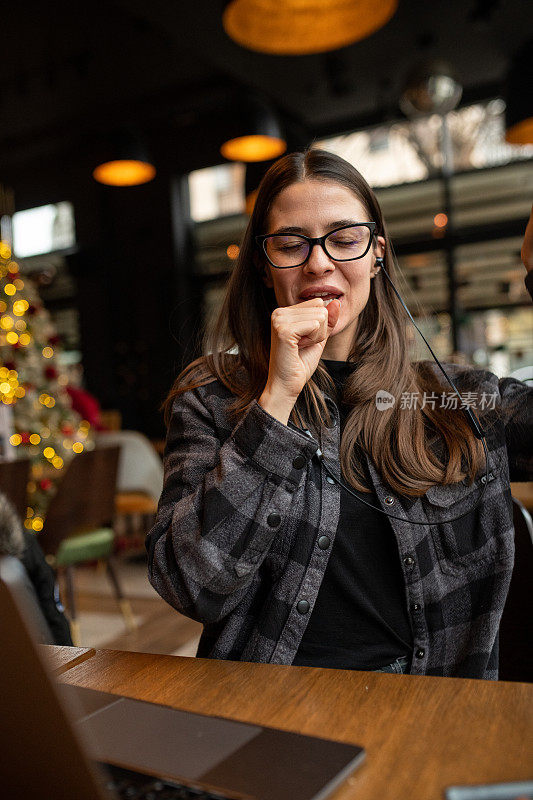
[(62, 658), (420, 734)]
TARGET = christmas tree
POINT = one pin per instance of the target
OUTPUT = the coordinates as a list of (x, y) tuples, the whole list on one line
[(33, 384)]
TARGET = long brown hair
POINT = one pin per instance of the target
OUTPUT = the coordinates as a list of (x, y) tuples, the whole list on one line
[(400, 440)]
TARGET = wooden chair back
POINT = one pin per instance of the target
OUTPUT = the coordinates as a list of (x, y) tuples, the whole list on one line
[(85, 498), (516, 628), (14, 477)]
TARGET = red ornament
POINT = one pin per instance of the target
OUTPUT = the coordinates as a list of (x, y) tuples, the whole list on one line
[(55, 339), (45, 484), (50, 373), (25, 437), (67, 430)]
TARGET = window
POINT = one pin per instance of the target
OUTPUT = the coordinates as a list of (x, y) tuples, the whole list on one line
[(43, 230), (217, 191), (409, 151)]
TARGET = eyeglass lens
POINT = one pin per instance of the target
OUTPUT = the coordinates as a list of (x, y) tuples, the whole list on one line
[(291, 250)]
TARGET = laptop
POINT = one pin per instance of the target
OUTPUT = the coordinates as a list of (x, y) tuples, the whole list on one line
[(62, 742)]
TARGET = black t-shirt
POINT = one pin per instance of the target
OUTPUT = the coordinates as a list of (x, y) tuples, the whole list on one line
[(359, 620)]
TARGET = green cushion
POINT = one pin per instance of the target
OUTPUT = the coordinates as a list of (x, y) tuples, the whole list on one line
[(85, 547)]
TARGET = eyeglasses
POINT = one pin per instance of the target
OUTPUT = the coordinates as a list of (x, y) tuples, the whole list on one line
[(348, 243)]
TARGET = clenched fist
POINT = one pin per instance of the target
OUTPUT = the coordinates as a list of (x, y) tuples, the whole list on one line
[(298, 336)]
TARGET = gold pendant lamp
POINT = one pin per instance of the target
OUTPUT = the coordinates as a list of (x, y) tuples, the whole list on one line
[(125, 162), (256, 133), (302, 27)]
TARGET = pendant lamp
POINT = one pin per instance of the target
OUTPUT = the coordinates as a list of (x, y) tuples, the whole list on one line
[(256, 134), (519, 100), (301, 27), (431, 87), (126, 163)]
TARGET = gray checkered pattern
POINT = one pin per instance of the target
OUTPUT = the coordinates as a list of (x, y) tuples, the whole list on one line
[(235, 544)]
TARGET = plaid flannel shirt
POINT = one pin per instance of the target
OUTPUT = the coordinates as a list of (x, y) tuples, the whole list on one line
[(235, 543)]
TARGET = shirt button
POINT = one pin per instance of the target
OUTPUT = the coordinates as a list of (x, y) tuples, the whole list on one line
[(388, 500), (273, 520), (329, 479), (416, 607), (324, 542), (302, 607), (408, 561), (299, 462), (420, 653)]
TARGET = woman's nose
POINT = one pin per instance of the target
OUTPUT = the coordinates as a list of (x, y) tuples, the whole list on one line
[(318, 261)]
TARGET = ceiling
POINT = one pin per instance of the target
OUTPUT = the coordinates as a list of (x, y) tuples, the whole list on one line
[(74, 71)]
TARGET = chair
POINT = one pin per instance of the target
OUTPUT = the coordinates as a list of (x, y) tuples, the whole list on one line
[(139, 486), (516, 630), (79, 523), (14, 477)]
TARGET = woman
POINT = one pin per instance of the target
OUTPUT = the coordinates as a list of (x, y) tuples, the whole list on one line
[(254, 536)]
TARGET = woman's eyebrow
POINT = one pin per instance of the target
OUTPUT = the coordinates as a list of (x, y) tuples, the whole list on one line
[(329, 227)]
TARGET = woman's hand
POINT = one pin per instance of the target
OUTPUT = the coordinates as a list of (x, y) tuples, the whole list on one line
[(298, 336)]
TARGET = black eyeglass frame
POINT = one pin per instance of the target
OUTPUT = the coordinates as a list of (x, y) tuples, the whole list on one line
[(321, 240)]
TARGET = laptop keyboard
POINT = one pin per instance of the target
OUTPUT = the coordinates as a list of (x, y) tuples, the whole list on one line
[(128, 785)]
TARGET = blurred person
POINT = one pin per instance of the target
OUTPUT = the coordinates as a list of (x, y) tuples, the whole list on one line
[(313, 513), (41, 582)]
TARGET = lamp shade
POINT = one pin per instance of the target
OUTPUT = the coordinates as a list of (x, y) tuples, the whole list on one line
[(127, 162), (300, 27), (519, 100), (257, 134)]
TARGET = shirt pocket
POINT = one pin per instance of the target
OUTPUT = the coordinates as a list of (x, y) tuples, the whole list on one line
[(483, 533)]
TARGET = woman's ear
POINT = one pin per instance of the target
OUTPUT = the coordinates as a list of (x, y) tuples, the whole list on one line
[(379, 246), (378, 251)]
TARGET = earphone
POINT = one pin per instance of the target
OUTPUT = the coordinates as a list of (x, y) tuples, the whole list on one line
[(473, 421)]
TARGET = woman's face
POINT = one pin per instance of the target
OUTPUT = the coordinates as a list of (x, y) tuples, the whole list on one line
[(314, 208)]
